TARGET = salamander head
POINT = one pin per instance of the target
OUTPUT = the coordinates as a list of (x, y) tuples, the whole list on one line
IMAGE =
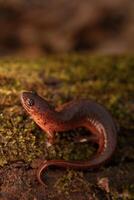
[(32, 102), (36, 106)]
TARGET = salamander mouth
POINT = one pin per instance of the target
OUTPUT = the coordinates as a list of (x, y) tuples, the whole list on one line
[(24, 97)]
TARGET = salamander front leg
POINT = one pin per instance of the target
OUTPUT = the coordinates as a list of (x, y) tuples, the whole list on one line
[(50, 140)]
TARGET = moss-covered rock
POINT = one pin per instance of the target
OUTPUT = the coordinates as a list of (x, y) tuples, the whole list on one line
[(108, 80)]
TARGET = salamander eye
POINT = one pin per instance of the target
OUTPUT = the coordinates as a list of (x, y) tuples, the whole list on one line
[(30, 102)]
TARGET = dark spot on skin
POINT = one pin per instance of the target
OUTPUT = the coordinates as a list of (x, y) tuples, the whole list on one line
[(30, 102)]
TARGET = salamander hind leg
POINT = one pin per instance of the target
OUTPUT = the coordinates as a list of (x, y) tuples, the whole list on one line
[(82, 139)]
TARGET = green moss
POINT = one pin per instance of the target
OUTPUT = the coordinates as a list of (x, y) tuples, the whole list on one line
[(109, 80)]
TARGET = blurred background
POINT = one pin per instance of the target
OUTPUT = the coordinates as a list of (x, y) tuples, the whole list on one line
[(37, 27)]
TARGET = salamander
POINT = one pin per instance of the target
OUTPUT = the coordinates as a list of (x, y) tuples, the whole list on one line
[(78, 113)]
